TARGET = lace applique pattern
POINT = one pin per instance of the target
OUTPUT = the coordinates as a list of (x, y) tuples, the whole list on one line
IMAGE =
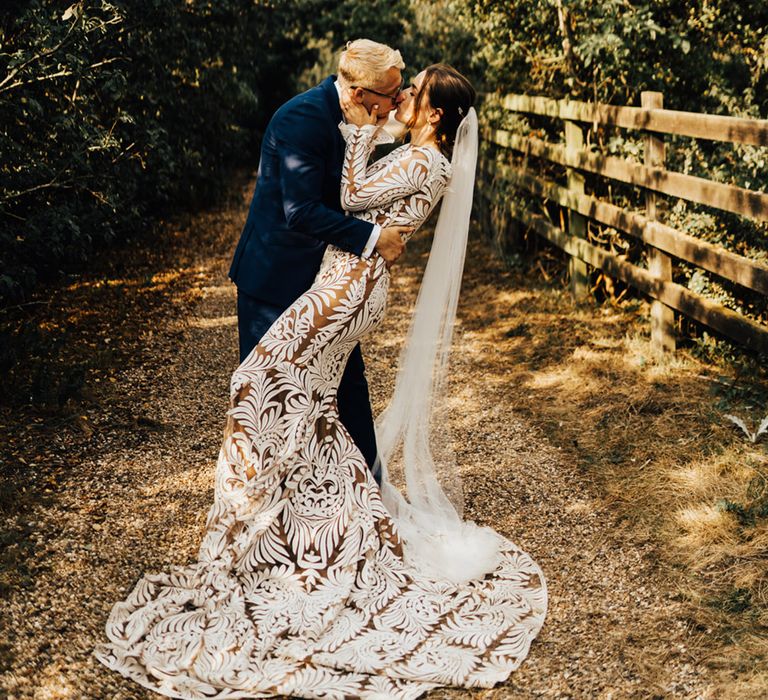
[(300, 587)]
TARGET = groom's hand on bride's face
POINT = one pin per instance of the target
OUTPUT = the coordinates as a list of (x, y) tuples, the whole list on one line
[(390, 244), (355, 110)]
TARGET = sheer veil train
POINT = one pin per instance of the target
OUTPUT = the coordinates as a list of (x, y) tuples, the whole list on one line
[(410, 432)]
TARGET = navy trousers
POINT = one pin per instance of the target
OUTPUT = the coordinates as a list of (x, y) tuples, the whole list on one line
[(254, 317)]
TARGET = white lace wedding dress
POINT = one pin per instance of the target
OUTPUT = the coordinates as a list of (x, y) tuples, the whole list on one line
[(300, 587)]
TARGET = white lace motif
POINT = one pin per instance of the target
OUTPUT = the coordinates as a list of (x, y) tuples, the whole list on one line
[(301, 587)]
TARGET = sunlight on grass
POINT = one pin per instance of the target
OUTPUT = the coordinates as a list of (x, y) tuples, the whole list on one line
[(696, 479), (561, 378), (97, 283), (588, 355), (81, 314), (219, 322), (650, 431), (638, 352), (705, 525), (711, 477), (225, 290), (510, 297), (581, 507), (54, 685), (165, 278), (754, 687)]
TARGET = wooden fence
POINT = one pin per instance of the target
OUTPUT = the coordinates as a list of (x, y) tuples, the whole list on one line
[(664, 241)]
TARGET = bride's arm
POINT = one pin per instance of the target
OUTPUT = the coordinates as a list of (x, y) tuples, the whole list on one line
[(364, 188)]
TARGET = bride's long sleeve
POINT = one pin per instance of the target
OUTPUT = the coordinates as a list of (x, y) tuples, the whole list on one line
[(371, 187)]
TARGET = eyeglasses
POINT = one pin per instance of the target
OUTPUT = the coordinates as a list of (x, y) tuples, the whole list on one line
[(393, 98)]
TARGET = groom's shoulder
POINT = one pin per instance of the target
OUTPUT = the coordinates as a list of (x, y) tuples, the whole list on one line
[(312, 102)]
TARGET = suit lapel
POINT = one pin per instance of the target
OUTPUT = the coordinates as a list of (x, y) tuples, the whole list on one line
[(332, 97), (334, 109)]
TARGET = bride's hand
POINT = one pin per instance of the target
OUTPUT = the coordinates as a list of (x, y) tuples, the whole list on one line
[(355, 113)]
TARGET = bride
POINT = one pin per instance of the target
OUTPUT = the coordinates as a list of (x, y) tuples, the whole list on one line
[(311, 581)]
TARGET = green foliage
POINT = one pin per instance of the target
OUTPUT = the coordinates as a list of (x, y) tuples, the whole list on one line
[(337, 23), (380, 20), (441, 31), (114, 113), (703, 56), (425, 32)]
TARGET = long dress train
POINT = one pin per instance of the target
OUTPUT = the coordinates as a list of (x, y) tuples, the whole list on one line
[(300, 587)]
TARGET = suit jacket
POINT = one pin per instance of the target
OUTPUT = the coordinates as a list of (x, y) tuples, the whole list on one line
[(296, 210)]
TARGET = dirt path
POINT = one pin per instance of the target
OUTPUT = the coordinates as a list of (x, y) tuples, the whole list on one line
[(133, 494)]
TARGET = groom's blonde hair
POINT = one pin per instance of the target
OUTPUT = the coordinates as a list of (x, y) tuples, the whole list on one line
[(363, 62)]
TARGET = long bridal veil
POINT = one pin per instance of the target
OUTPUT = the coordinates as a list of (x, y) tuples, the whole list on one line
[(429, 511)]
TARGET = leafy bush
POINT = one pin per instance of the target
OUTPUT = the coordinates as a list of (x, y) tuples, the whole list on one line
[(703, 56), (114, 113)]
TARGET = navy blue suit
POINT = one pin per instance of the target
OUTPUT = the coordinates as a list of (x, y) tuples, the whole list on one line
[(295, 212)]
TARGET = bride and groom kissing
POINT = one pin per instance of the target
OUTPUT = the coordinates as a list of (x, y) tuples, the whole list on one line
[(316, 577)]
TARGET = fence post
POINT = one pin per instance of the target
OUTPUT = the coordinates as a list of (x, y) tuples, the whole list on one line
[(577, 223), (659, 264)]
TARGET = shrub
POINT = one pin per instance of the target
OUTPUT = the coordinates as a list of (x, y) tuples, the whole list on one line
[(114, 113)]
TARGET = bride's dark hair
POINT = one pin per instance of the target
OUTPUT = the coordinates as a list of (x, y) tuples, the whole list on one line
[(449, 91)]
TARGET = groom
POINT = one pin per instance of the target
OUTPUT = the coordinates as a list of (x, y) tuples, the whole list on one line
[(296, 212)]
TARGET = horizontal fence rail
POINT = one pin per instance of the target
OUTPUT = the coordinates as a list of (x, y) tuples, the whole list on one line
[(663, 241), (748, 273), (693, 189), (753, 132)]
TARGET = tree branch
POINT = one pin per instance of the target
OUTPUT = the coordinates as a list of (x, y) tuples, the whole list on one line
[(566, 32), (45, 186), (60, 74), (44, 54)]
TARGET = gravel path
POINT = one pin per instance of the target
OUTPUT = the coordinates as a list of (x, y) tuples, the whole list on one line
[(137, 497)]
